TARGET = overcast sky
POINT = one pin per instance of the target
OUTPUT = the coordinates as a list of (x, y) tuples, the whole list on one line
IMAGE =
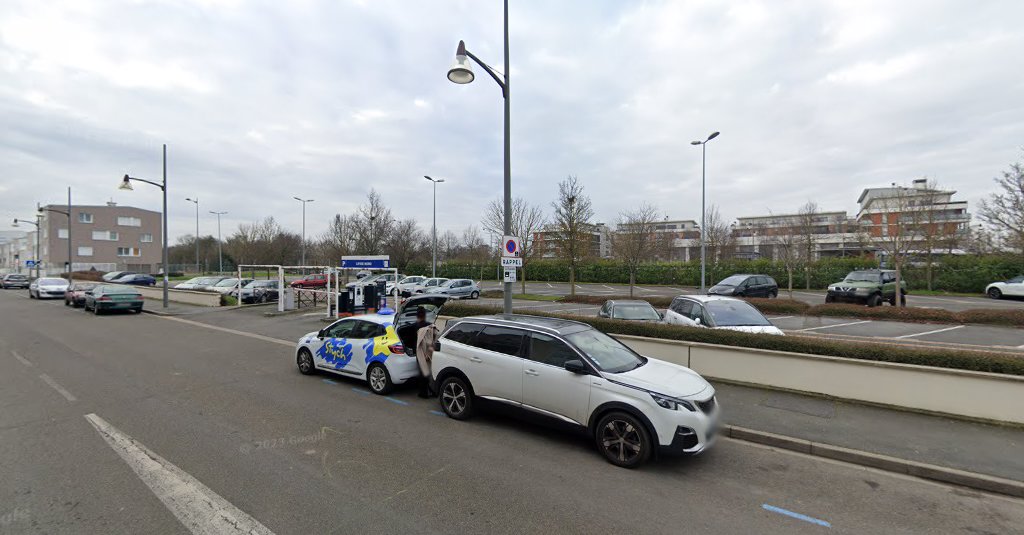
[(261, 101)]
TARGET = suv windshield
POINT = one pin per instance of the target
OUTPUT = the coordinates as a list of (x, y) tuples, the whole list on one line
[(635, 312), (607, 353), (862, 276), (735, 280), (730, 313)]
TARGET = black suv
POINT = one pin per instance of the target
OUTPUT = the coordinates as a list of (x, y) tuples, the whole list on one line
[(14, 280), (746, 286)]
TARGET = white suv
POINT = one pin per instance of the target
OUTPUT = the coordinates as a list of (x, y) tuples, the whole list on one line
[(631, 405)]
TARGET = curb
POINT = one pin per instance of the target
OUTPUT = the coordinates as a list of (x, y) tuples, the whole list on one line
[(932, 472)]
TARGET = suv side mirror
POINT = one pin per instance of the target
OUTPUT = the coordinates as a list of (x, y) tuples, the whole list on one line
[(576, 366), (696, 321)]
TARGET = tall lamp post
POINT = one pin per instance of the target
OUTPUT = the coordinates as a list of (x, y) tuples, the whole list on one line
[(196, 202), (220, 247), (303, 201), (38, 228), (42, 209), (461, 72), (126, 184), (703, 223), (433, 261)]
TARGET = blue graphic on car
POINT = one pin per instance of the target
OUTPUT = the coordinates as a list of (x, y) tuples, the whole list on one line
[(336, 352)]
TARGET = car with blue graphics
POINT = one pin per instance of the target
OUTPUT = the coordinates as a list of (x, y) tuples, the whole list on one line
[(377, 348)]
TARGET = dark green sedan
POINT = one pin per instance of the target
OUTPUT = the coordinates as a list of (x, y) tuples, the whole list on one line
[(113, 297)]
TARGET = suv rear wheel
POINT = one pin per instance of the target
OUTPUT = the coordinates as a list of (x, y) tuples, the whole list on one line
[(623, 440), (875, 300), (456, 398)]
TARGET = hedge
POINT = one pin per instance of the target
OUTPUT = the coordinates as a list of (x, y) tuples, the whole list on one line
[(992, 362)]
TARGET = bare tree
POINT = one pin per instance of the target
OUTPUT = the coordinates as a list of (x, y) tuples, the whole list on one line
[(718, 235), (527, 221), (405, 243), (263, 242), (448, 246), (787, 246), (900, 227), (1004, 211), (634, 239), (938, 231), (373, 225), (807, 228), (337, 241), (572, 226)]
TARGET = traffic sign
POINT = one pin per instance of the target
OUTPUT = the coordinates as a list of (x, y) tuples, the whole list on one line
[(510, 274), (366, 262), (511, 262), (30, 263), (510, 247)]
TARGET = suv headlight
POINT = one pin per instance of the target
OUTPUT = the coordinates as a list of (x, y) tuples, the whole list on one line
[(671, 403), (863, 290)]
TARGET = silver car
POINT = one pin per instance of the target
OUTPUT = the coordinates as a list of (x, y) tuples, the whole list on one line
[(458, 289), (426, 285), (48, 288)]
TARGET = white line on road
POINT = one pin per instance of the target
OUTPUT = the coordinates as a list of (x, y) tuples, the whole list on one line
[(21, 359), (931, 332), (609, 287), (549, 285), (197, 507), (836, 325), (232, 331), (60, 389), (779, 318)]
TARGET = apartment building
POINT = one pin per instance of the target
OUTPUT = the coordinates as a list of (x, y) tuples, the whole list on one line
[(599, 237), (933, 211), (15, 246), (106, 238), (828, 234)]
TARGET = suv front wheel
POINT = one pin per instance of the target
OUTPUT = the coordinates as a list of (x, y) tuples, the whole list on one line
[(623, 440), (456, 398)]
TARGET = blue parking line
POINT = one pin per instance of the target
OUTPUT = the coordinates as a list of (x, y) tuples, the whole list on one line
[(439, 413), (360, 390), (330, 381), (398, 401), (797, 516)]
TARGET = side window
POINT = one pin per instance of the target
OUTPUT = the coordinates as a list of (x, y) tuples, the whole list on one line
[(550, 350), (500, 340), (683, 307), (604, 310), (697, 313), (464, 333), (1017, 280), (342, 329), (366, 329)]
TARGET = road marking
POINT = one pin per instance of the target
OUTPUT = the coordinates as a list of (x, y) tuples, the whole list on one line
[(836, 325), (398, 401), (797, 516), (549, 285), (21, 359), (931, 332), (360, 391), (330, 381), (437, 413), (609, 287), (60, 389), (779, 318), (232, 331), (197, 507)]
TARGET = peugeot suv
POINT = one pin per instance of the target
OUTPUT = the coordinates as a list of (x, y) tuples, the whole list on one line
[(631, 406), (870, 287)]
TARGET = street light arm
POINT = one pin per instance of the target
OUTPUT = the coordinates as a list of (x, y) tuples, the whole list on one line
[(157, 184), (490, 70), (62, 212)]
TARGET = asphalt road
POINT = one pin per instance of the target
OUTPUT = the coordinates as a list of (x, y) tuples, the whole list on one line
[(138, 423)]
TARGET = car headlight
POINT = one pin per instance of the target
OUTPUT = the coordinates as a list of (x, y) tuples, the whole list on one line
[(672, 404), (862, 290)]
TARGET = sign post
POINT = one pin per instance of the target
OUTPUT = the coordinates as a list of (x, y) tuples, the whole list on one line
[(511, 257)]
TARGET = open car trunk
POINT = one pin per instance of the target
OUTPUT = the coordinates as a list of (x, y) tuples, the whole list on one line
[(405, 317)]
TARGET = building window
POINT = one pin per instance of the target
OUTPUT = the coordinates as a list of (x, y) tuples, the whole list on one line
[(62, 233), (84, 217), (125, 221), (128, 251), (147, 238), (85, 251), (104, 235)]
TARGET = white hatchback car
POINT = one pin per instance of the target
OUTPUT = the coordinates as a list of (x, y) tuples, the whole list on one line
[(718, 312), (48, 288), (378, 348), (1011, 288), (632, 406)]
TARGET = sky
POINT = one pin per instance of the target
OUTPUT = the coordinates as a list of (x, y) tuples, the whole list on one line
[(260, 101)]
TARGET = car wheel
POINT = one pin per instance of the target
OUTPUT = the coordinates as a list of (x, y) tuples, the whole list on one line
[(66, 303), (774, 294), (379, 379), (623, 440), (829, 299), (138, 310), (474, 295), (304, 360), (456, 398), (995, 293), (96, 310), (874, 301)]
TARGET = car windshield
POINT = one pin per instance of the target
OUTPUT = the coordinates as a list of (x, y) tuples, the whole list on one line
[(862, 277), (607, 353), (205, 280), (735, 280), (17, 277), (731, 313), (120, 290), (411, 280), (635, 312), (227, 282), (447, 284), (52, 282)]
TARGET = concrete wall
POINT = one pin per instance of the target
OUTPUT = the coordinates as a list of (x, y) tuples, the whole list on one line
[(206, 299)]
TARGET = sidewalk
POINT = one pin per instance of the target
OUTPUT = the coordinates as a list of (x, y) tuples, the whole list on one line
[(974, 447)]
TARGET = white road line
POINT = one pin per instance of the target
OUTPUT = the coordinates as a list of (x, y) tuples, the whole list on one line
[(822, 295), (609, 287), (779, 318), (830, 326), (60, 389), (549, 285), (197, 507), (21, 359), (931, 332), (232, 331)]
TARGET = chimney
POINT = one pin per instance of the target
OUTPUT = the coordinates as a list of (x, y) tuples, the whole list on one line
[(921, 183)]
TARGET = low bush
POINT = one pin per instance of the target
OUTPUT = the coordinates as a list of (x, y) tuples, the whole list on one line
[(94, 276), (766, 306), (941, 358), (1014, 318), (910, 314)]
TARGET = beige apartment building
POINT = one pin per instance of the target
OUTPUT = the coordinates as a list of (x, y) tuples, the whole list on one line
[(107, 238)]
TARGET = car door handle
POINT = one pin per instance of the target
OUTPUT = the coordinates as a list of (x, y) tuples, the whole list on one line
[(475, 359), (532, 372)]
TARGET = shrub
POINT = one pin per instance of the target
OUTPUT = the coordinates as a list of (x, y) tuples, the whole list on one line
[(911, 314), (941, 358), (766, 306)]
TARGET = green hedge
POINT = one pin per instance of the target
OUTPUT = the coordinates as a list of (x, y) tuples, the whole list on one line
[(941, 358)]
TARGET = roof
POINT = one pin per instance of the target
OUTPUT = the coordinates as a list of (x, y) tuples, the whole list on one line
[(709, 298), (551, 325), (628, 302)]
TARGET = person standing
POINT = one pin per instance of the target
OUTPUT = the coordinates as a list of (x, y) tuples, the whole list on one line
[(426, 334)]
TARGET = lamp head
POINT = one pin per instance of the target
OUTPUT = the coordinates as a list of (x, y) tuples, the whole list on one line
[(713, 135), (126, 184), (696, 143), (461, 71), (15, 224)]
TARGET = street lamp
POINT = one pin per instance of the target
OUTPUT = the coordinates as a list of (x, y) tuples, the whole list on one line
[(303, 201), (36, 223), (41, 209), (461, 72), (220, 248), (126, 184), (433, 263), (196, 202), (703, 226)]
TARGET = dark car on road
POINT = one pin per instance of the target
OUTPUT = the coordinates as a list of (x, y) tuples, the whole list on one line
[(75, 294), (870, 287), (108, 297), (746, 286), (136, 279), (14, 280), (258, 291), (629, 310)]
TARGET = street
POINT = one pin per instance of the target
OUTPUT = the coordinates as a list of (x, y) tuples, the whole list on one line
[(101, 414)]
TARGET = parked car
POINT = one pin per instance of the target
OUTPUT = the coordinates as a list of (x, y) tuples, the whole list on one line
[(406, 285), (108, 297), (746, 286), (377, 348), (718, 312), (47, 288), (629, 404), (227, 286), (312, 281), (263, 291), (75, 294), (198, 283), (869, 287), (426, 284), (362, 274), (390, 280), (136, 279), (111, 276), (458, 289), (629, 310), (14, 280), (1010, 288)]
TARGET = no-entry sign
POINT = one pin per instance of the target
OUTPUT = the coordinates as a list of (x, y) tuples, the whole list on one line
[(510, 247)]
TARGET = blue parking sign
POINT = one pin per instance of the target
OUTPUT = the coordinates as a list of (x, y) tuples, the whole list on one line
[(30, 263)]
